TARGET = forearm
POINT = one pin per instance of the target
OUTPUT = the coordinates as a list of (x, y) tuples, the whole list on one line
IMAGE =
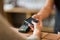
[(37, 31), (46, 10), (7, 31), (35, 36)]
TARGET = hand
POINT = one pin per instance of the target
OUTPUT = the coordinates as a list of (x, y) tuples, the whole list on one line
[(37, 28), (39, 24), (36, 16)]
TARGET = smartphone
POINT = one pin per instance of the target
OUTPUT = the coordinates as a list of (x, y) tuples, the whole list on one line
[(25, 28), (29, 20)]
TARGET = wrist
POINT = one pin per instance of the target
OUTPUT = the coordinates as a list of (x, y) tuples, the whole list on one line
[(36, 31)]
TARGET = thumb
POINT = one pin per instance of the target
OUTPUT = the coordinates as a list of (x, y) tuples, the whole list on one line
[(33, 23)]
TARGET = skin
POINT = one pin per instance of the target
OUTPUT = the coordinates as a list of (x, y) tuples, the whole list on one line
[(42, 14), (7, 32), (45, 10), (6, 29)]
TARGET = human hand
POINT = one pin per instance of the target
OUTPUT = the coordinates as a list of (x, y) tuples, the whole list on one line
[(39, 24)]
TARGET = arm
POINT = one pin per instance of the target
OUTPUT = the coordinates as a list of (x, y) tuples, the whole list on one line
[(37, 31), (46, 10), (7, 32)]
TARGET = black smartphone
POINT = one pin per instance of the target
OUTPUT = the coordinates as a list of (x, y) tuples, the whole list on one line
[(25, 28), (29, 20)]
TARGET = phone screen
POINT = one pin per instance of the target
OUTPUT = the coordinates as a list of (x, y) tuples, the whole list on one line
[(29, 20)]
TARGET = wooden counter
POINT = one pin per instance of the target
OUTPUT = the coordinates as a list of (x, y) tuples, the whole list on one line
[(18, 9), (50, 36), (46, 36), (21, 10)]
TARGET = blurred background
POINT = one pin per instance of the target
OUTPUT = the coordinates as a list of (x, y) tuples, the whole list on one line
[(16, 11)]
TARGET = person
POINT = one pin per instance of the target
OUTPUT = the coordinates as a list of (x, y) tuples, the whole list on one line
[(7, 32), (46, 10)]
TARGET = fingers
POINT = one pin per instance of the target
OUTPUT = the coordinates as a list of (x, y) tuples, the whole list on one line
[(35, 16), (37, 25), (31, 27), (33, 23)]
